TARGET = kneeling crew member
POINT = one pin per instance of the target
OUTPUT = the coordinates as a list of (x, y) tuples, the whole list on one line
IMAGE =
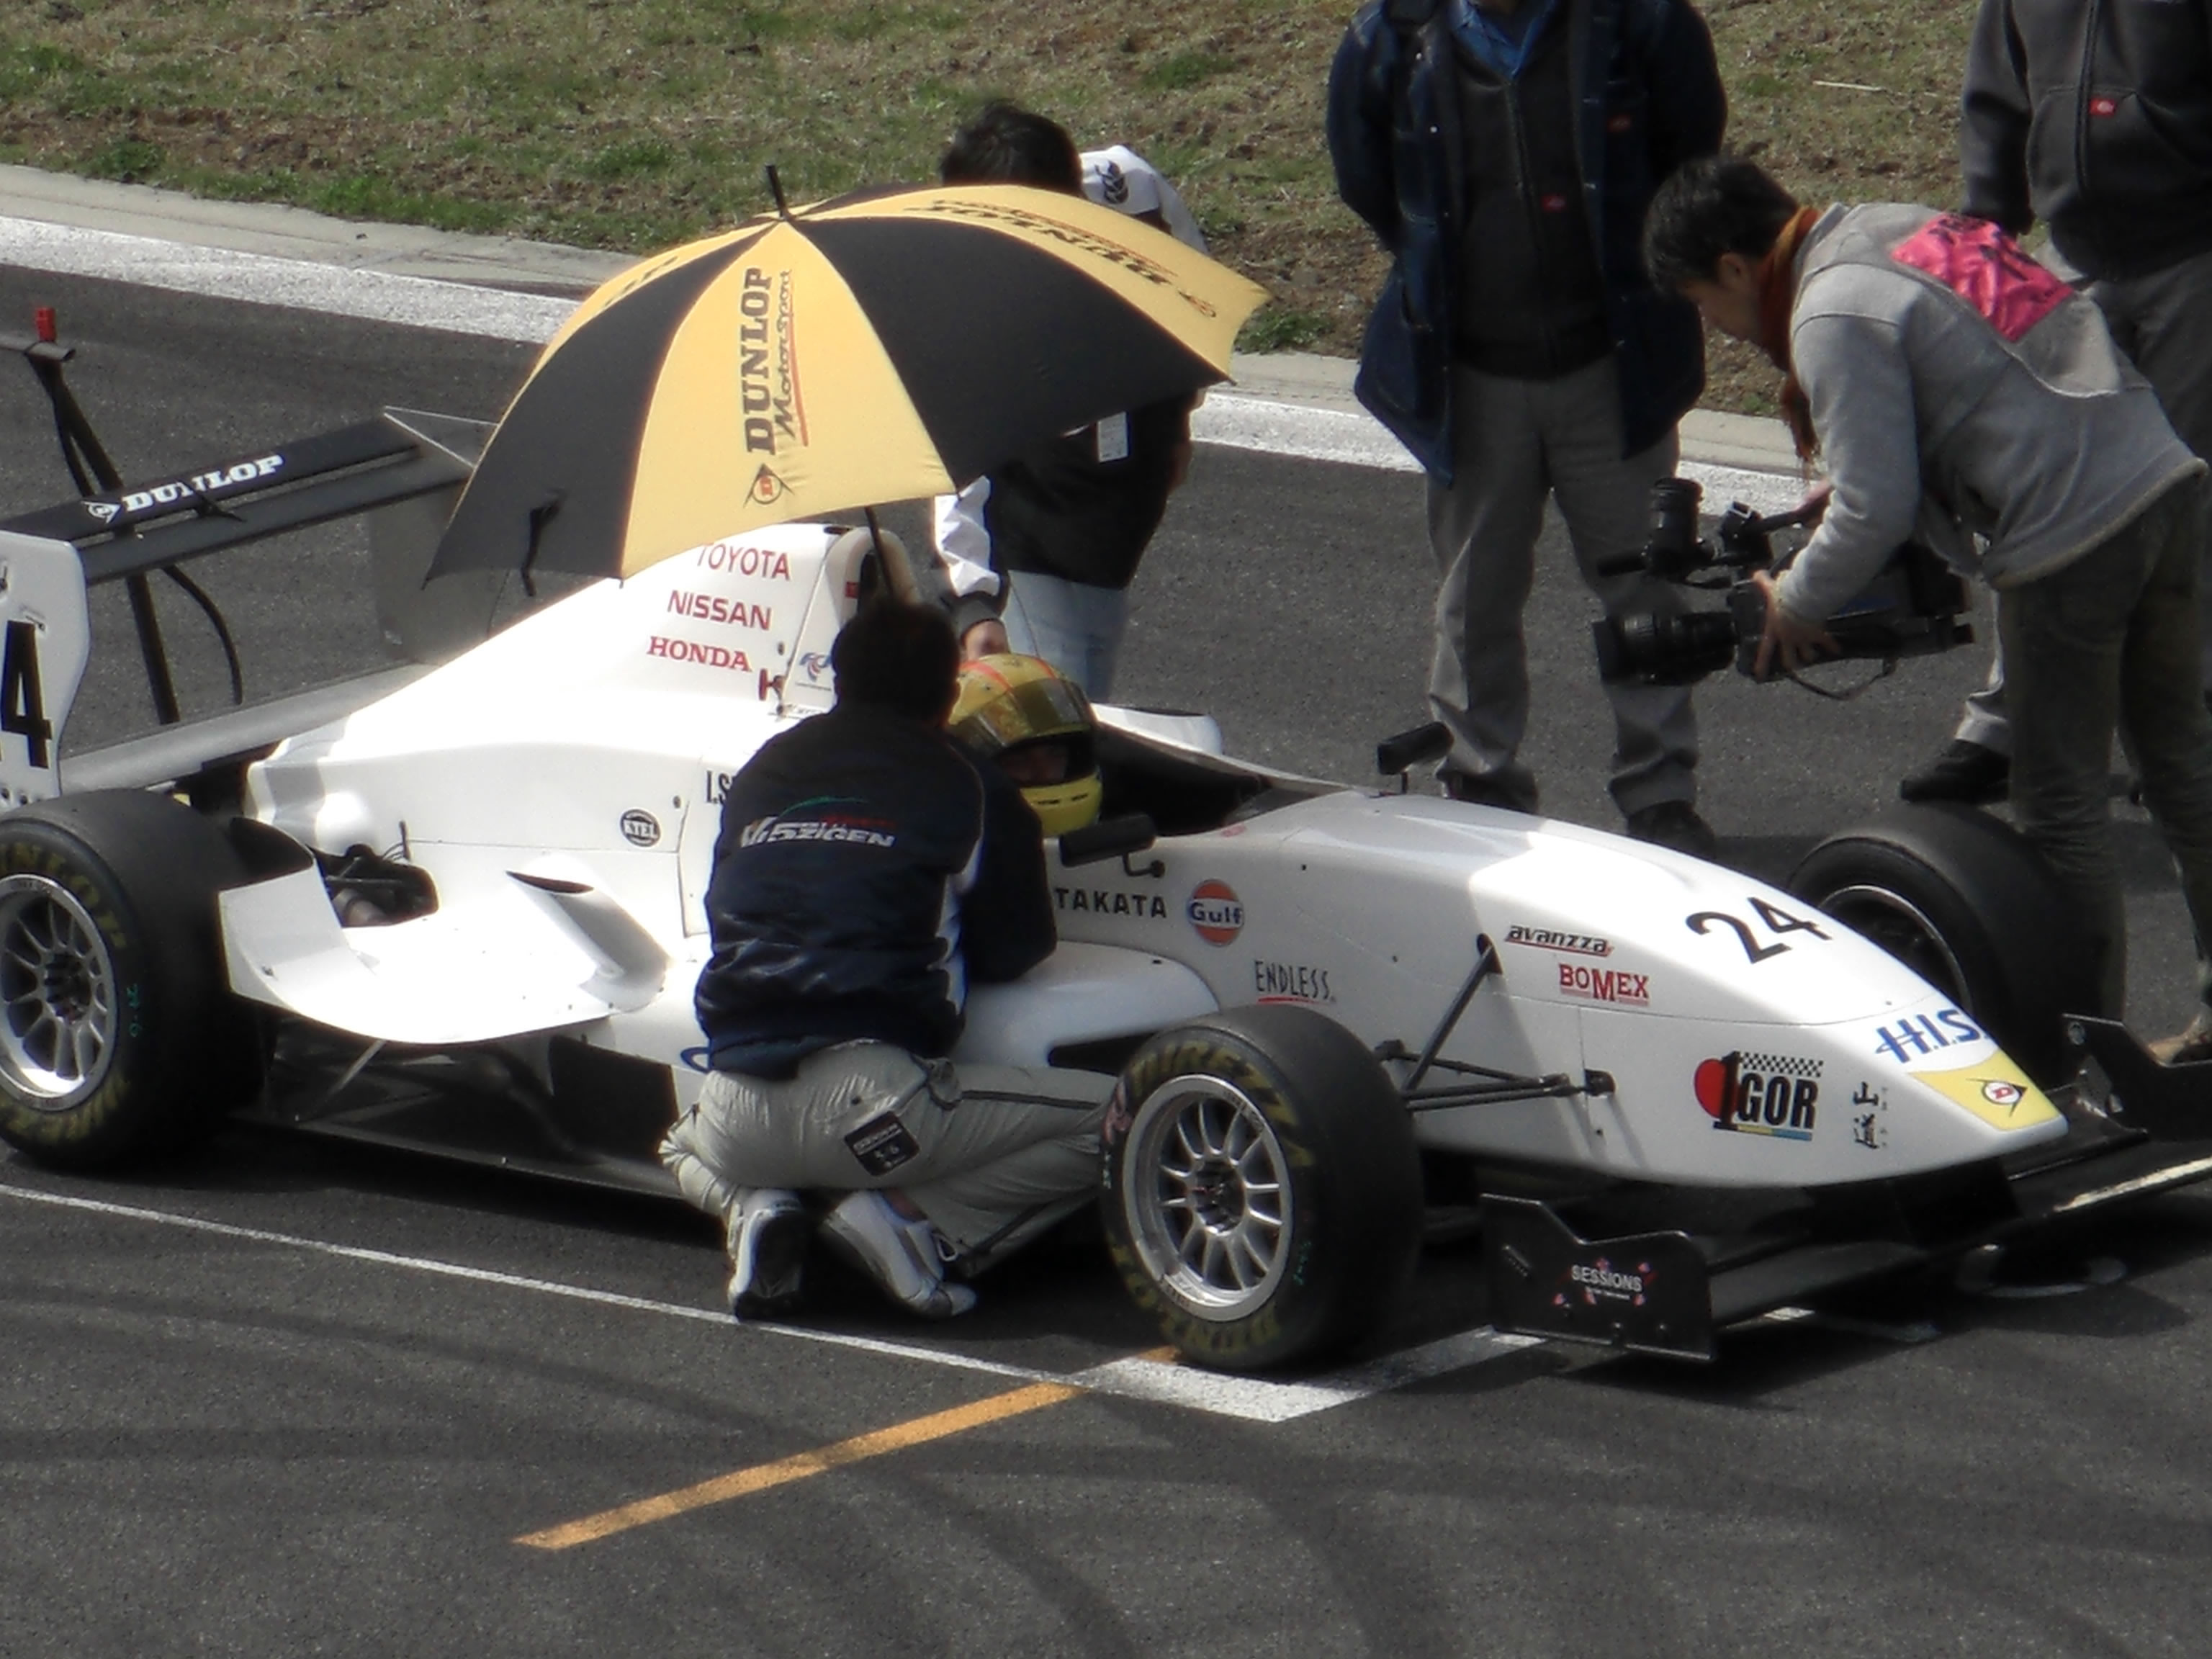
[(865, 870), (1956, 391)]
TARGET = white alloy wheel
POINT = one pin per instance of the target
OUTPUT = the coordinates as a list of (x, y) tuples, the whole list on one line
[(1208, 1197), (57, 1011)]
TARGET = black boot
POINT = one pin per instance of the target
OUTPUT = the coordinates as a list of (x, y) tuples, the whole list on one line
[(1965, 772)]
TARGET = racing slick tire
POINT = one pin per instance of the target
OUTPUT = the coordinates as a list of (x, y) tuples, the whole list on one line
[(1963, 900), (1261, 1189), (118, 1034)]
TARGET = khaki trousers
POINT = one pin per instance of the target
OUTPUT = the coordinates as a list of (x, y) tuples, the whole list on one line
[(992, 1165), (1518, 444)]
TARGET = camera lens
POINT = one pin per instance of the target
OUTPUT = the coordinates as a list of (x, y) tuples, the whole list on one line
[(1663, 650), (1673, 548)]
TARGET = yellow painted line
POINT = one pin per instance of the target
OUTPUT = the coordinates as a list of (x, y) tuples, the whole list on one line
[(743, 1482)]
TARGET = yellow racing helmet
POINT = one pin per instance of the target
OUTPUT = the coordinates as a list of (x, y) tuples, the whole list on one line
[(1033, 723)]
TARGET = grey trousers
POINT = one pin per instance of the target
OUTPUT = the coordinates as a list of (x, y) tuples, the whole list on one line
[(2113, 641), (992, 1167), (1519, 443), (2163, 322)]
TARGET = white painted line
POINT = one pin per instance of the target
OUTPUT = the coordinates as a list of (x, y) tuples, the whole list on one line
[(376, 296), (1228, 418), (1258, 1401), (1252, 1399), (1762, 492), (1237, 420)]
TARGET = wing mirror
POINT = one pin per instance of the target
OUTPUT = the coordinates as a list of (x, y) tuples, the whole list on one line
[(1400, 754), (1108, 838)]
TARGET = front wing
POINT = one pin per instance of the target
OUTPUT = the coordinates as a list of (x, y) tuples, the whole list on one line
[(1560, 1270)]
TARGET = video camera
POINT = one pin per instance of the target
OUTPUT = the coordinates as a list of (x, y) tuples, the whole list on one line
[(1912, 608)]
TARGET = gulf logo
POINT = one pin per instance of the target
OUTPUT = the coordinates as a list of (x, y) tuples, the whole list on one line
[(1216, 912)]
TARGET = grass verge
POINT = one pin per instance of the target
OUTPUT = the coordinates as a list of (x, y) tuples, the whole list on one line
[(632, 123)]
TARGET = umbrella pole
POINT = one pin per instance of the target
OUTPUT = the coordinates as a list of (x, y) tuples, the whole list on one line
[(890, 555)]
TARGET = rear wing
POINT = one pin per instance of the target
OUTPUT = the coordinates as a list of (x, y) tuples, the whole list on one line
[(405, 470)]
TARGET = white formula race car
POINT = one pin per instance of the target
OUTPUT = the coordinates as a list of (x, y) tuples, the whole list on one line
[(460, 908)]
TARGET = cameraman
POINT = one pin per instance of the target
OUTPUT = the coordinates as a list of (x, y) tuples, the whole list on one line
[(1957, 390)]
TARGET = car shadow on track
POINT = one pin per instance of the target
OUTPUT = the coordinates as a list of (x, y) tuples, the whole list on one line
[(1059, 1307)]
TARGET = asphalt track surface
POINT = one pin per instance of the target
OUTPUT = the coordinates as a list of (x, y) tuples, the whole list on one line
[(286, 1397)]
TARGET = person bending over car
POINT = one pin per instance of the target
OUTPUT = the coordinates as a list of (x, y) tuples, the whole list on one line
[(1957, 393), (866, 870), (1040, 552)]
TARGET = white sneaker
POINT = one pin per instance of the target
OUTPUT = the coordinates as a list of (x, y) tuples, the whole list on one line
[(768, 1231), (899, 1254)]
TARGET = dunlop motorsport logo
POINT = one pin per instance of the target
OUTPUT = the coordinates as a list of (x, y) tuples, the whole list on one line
[(768, 366)]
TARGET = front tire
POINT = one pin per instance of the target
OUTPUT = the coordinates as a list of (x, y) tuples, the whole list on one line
[(118, 1034), (1963, 900), (1262, 1191)]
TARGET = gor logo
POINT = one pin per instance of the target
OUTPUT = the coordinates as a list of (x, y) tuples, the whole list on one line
[(1774, 1095)]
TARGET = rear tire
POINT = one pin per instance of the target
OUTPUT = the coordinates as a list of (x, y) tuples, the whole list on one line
[(1963, 900), (1262, 1193), (118, 1034)]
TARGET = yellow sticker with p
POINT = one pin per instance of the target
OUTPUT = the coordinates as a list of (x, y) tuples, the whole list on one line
[(1996, 1090)]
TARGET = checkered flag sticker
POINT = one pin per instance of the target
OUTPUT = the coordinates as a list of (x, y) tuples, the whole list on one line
[(1779, 1065)]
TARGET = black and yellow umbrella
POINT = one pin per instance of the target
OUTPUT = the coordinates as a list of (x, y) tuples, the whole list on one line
[(879, 346)]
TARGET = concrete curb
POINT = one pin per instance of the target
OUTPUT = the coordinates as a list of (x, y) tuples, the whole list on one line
[(1709, 437)]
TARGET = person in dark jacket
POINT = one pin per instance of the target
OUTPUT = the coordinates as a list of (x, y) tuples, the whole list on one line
[(1040, 552), (2095, 116), (866, 870), (1504, 151)]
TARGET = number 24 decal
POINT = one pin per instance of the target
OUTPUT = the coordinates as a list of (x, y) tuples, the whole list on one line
[(1778, 921)]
